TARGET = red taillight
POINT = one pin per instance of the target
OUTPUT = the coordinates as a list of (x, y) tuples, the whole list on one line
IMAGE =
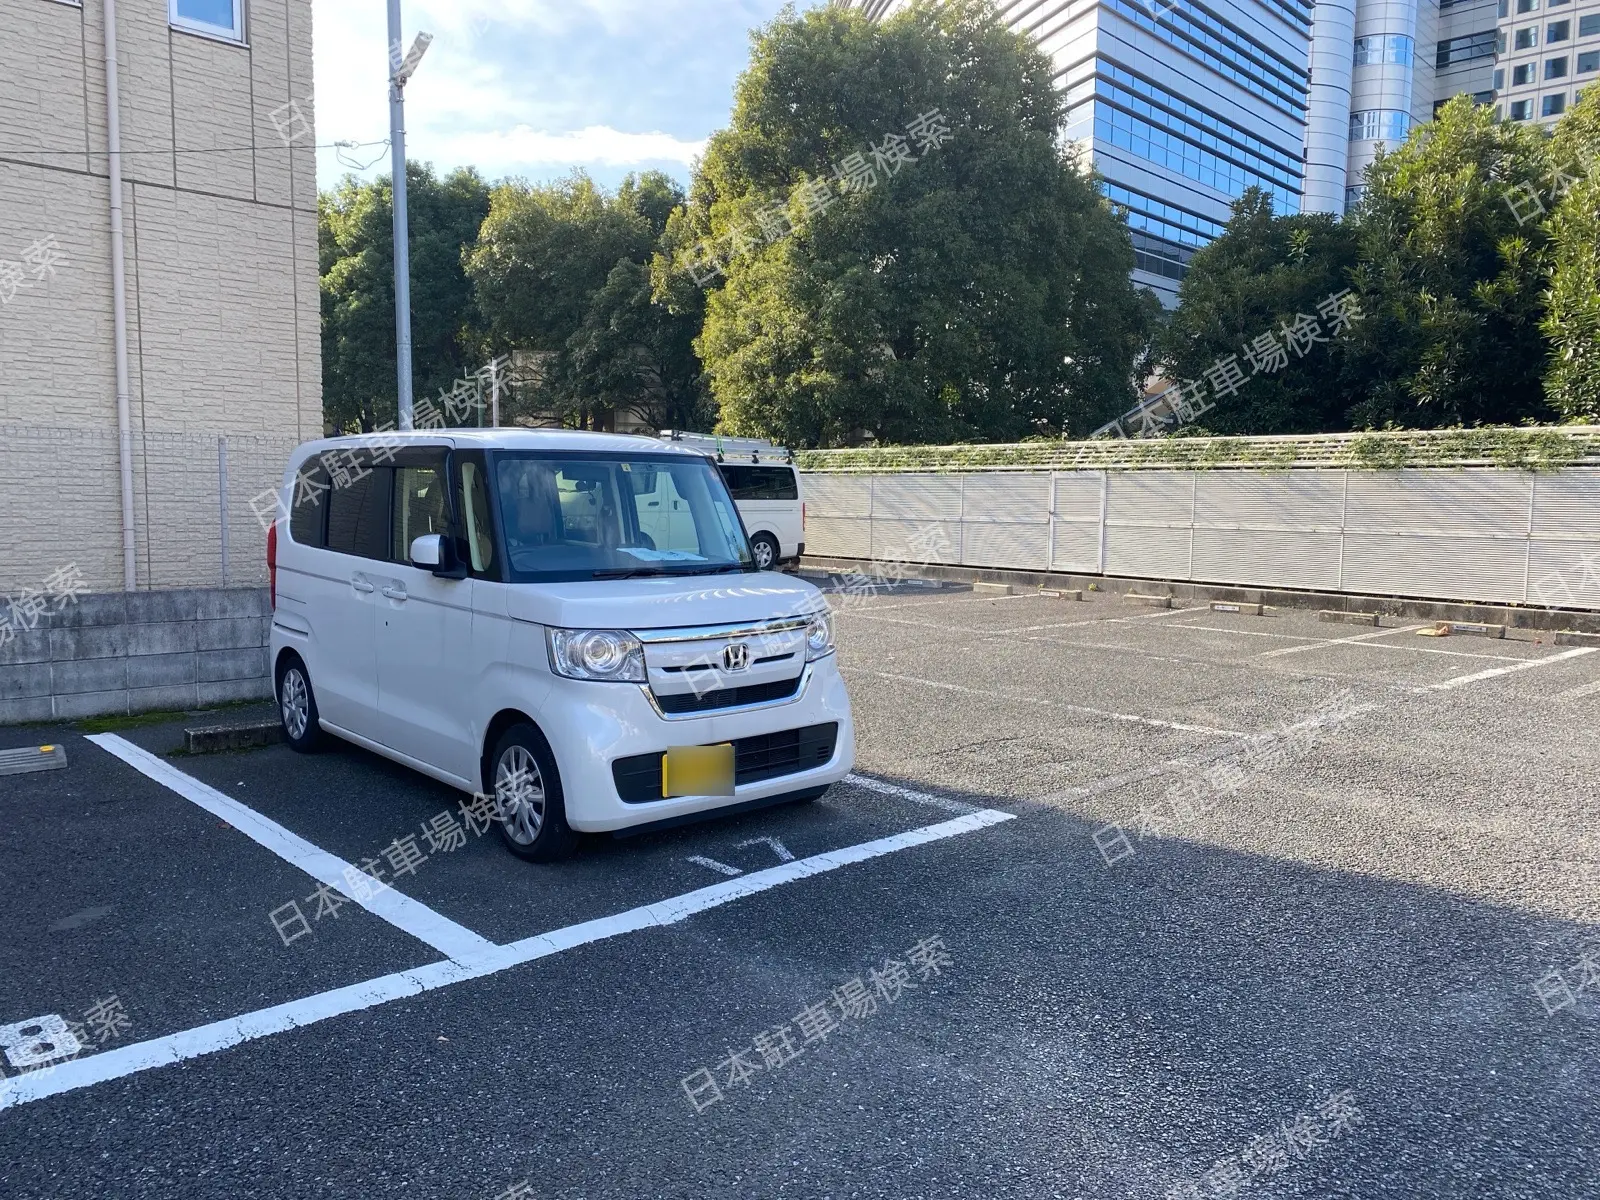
[(272, 563)]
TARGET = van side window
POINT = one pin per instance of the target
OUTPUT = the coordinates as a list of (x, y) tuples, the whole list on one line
[(475, 543), (760, 483), (309, 505), (358, 513), (421, 506)]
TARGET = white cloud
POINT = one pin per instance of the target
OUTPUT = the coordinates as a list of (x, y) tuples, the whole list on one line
[(498, 153)]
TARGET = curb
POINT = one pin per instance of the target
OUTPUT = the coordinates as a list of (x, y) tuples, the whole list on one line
[(214, 739), (1521, 621)]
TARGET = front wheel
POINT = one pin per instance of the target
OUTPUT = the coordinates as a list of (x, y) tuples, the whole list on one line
[(765, 549), (527, 791)]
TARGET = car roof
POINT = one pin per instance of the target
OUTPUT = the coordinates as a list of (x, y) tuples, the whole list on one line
[(501, 439)]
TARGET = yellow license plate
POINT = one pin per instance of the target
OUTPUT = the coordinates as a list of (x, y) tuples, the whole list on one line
[(697, 770)]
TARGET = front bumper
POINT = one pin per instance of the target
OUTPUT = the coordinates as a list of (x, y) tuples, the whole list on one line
[(592, 725)]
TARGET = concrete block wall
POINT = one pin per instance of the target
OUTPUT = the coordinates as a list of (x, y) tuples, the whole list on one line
[(117, 652)]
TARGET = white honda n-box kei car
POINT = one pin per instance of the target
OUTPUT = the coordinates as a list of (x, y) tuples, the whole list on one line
[(570, 622)]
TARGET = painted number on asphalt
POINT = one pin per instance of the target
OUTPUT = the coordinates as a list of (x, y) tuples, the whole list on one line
[(39, 1041)]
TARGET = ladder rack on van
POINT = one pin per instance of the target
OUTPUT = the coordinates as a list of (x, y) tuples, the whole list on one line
[(758, 449)]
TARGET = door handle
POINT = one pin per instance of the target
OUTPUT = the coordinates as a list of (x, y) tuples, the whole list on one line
[(361, 585), (395, 593)]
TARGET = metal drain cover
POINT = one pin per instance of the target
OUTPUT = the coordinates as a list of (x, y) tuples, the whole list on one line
[(32, 758)]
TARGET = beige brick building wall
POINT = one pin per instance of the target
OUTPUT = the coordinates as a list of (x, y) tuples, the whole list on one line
[(221, 260)]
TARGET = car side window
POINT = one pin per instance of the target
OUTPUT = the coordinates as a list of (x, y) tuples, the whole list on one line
[(760, 483), (358, 511), (308, 509), (420, 505), (475, 539)]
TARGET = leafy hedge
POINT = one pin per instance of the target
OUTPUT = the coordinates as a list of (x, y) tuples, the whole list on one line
[(1527, 449)]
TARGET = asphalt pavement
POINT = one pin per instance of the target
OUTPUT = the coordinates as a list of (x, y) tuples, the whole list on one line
[(1122, 903)]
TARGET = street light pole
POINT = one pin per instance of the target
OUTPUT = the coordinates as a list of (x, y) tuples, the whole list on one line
[(400, 70)]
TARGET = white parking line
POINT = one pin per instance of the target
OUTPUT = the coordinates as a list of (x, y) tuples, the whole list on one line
[(421, 922), (1578, 693), (923, 798), (281, 1018), (1044, 700), (1293, 637), (1344, 641), (1495, 672)]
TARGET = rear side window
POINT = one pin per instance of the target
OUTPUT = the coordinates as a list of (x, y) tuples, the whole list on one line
[(760, 483), (308, 516), (358, 512)]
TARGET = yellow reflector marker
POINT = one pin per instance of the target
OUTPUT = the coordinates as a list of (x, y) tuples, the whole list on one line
[(697, 770), (46, 749)]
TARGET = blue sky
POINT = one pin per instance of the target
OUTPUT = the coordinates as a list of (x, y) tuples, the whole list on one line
[(536, 87)]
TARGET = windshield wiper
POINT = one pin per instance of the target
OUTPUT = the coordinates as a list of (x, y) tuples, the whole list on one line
[(639, 572)]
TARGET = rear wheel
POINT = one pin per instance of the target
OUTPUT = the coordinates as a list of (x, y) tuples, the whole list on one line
[(527, 791), (297, 707), (765, 549)]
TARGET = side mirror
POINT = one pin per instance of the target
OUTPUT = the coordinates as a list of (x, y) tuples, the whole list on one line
[(427, 552)]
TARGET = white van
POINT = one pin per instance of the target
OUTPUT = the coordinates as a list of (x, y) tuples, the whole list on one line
[(765, 485), (571, 622)]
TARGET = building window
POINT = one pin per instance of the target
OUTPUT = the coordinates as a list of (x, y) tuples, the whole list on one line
[(1527, 6), (1588, 61), (1505, 6), (1522, 74), (1379, 124), (1557, 31), (1384, 48), (1589, 26), (1555, 105), (1499, 78), (1527, 37), (1469, 48), (219, 18), (1555, 3), (1521, 110), (1555, 68)]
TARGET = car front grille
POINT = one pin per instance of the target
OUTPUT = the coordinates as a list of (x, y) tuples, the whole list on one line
[(764, 756), (753, 693)]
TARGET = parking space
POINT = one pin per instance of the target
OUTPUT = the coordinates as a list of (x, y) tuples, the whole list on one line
[(1193, 877)]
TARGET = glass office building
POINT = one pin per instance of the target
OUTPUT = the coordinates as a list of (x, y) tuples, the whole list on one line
[(1185, 103)]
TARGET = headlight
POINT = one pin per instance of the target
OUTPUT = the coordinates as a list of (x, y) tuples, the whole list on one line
[(819, 636), (607, 655)]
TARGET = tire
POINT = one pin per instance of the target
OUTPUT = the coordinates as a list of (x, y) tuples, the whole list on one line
[(534, 824), (765, 549), (297, 707)]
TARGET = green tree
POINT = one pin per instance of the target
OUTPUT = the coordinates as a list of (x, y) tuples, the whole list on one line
[(1451, 279), (1572, 322), (562, 276), (1251, 282), (978, 291), (356, 250)]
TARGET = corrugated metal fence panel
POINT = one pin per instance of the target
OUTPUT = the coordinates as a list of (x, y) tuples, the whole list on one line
[(1006, 521), (1431, 502), (838, 495), (1269, 528), (1567, 504), (1148, 519), (1458, 534), (838, 537), (1444, 565), (1454, 534), (1077, 523), (1564, 560), (917, 497)]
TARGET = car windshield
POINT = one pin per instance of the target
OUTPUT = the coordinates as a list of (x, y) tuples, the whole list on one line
[(595, 516)]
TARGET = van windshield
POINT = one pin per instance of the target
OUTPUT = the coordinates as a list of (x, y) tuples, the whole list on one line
[(595, 516)]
